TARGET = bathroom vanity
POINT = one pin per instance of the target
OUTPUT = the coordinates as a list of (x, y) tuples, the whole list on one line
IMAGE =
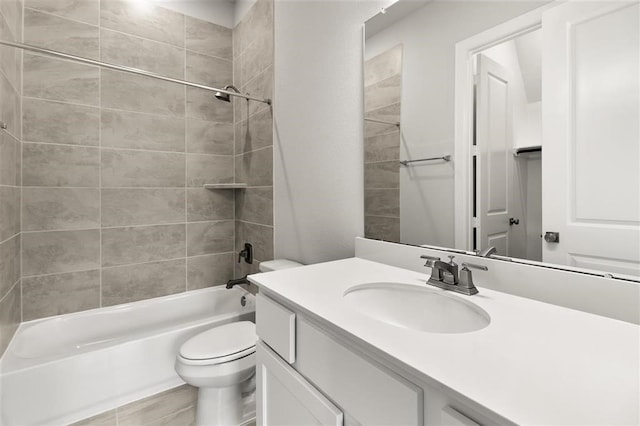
[(323, 359)]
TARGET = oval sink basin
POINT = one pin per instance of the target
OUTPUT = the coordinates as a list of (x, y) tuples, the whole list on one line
[(416, 308)]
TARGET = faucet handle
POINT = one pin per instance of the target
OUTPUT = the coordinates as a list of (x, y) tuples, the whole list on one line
[(466, 280), (474, 266), (430, 260)]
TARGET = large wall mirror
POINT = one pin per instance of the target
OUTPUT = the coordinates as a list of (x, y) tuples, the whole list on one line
[(513, 125)]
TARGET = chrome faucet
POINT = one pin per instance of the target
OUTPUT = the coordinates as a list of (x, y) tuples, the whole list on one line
[(445, 275), (487, 252)]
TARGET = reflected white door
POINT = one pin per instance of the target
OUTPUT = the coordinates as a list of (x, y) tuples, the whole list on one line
[(494, 139), (591, 136)]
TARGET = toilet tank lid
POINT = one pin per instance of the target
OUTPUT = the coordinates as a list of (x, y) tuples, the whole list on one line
[(278, 264), (221, 341)]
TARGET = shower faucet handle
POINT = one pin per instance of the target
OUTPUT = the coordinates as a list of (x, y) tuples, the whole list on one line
[(246, 253)]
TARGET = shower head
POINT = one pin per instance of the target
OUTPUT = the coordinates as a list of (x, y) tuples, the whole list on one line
[(225, 96)]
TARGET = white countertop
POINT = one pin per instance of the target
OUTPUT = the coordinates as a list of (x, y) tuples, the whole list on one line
[(535, 363)]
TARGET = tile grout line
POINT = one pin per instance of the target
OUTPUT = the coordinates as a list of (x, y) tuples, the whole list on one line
[(100, 262), (100, 27), (186, 163), (234, 143), (21, 70), (110, 148), (151, 225)]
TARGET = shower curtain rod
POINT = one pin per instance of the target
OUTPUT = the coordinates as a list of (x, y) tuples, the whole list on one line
[(130, 70)]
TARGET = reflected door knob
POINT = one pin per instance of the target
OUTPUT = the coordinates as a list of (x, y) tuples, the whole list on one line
[(513, 221), (552, 237)]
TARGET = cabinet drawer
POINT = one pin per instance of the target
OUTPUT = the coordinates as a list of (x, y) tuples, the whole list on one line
[(276, 326), (366, 392)]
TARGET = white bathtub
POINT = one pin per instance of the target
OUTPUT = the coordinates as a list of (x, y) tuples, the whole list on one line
[(66, 368)]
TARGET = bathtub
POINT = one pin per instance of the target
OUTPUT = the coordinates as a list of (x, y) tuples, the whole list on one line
[(63, 369)]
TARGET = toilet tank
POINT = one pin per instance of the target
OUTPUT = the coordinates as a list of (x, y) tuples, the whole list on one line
[(277, 265)]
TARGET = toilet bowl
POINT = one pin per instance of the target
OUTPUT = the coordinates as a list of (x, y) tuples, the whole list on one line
[(218, 361), (221, 363)]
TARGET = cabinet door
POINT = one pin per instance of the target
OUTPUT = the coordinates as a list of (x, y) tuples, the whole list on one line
[(285, 398)]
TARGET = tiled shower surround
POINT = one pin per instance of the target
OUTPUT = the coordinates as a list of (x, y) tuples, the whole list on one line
[(10, 148), (382, 98), (113, 208)]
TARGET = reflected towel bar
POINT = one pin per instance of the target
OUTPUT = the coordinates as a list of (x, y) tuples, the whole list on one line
[(444, 157), (395, 123)]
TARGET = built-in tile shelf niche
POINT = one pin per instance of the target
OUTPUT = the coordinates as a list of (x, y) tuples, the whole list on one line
[(225, 185)]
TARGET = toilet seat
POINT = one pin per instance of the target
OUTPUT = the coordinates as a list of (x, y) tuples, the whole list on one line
[(220, 344)]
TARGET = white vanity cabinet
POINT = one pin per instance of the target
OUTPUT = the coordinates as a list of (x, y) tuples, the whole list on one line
[(308, 375)]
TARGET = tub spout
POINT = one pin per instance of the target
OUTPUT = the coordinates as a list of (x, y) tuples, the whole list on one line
[(237, 281)]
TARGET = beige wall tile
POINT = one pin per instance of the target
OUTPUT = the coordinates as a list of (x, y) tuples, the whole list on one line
[(123, 246), (382, 175), (210, 237), (9, 264), (131, 51), (383, 93), (60, 165), (207, 204), (260, 236), (10, 107), (80, 10), (208, 70), (389, 113), (58, 294), (125, 129), (12, 11), (255, 168), (209, 270), (55, 33), (50, 252), (124, 207), (60, 208), (382, 202), (256, 58), (9, 56), (9, 317), (9, 211), (208, 38), (159, 24), (256, 23), (9, 165), (202, 105), (186, 417), (60, 80), (209, 137), (382, 228), (383, 66), (124, 284), (131, 92), (57, 122), (122, 168), (156, 407), (255, 205), (261, 87), (382, 147), (202, 169), (254, 133)]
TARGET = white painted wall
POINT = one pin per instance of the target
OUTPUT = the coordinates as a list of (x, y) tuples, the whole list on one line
[(219, 12), (318, 127), (429, 36)]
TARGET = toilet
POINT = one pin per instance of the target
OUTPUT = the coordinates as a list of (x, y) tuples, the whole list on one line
[(221, 363)]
